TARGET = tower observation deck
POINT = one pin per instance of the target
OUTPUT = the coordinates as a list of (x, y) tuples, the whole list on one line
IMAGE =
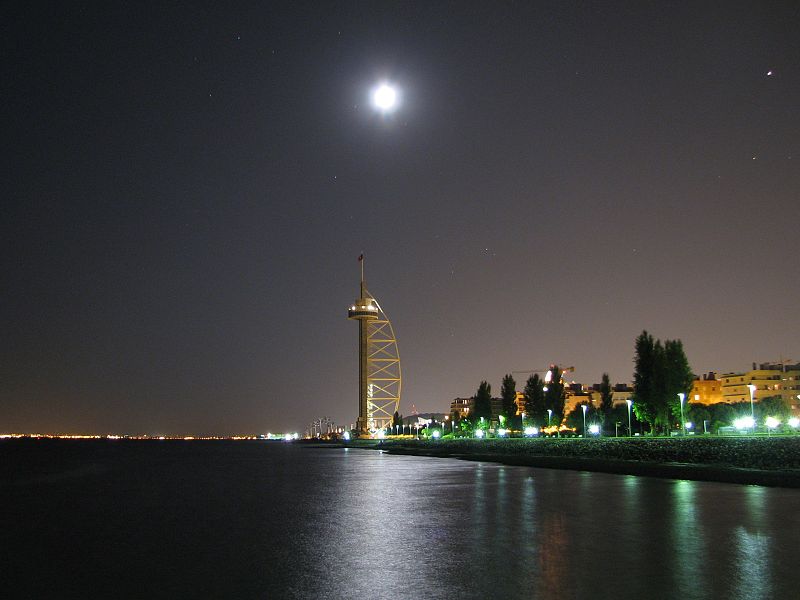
[(379, 373)]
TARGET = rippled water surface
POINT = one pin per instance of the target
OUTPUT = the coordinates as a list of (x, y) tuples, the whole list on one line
[(273, 520)]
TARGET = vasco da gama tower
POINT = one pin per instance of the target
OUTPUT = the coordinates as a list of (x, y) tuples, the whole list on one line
[(379, 374)]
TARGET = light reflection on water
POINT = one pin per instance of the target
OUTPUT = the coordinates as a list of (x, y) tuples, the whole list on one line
[(281, 521), (491, 530)]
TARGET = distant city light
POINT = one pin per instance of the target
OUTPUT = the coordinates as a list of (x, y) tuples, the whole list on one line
[(594, 428), (436, 434), (689, 425), (794, 422), (772, 422), (479, 433), (346, 436), (502, 432), (529, 431), (744, 423)]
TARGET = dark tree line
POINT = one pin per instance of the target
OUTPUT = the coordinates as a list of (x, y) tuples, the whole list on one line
[(661, 373), (508, 396), (483, 404)]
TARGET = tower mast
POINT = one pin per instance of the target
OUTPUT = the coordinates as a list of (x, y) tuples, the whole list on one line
[(364, 311), (379, 374)]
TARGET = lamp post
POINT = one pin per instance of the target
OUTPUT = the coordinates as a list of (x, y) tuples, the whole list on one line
[(752, 389), (771, 423), (629, 403), (682, 397), (549, 414), (583, 406)]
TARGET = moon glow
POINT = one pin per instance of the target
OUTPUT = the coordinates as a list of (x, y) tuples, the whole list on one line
[(384, 98)]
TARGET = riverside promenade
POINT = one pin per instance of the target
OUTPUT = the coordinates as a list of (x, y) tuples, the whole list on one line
[(768, 461)]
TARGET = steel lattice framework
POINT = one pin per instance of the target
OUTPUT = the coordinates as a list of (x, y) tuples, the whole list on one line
[(379, 375), (384, 374)]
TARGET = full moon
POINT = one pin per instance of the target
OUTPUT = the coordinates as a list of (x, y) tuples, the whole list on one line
[(384, 97)]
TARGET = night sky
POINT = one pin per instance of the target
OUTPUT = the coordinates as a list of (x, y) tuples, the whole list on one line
[(186, 191)]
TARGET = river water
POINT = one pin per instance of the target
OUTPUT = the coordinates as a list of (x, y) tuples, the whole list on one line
[(274, 520)]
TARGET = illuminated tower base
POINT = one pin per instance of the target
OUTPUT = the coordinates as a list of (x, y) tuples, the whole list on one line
[(379, 374)]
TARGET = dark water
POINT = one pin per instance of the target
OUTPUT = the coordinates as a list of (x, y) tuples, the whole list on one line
[(272, 520)]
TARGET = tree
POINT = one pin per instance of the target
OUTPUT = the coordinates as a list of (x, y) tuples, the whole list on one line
[(554, 396), (722, 415), (660, 373), (508, 395), (619, 420), (771, 406), (483, 403), (575, 417), (697, 414), (644, 385), (397, 420), (678, 376), (606, 400), (535, 410)]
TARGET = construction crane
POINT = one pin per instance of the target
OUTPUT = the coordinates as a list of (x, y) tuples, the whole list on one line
[(549, 371)]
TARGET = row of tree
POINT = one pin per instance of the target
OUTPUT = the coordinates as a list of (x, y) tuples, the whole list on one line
[(701, 417), (661, 372), (544, 403)]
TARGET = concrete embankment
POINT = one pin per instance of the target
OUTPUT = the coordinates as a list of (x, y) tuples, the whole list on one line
[(771, 461)]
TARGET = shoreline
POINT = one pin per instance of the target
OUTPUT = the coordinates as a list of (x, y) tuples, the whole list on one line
[(674, 467)]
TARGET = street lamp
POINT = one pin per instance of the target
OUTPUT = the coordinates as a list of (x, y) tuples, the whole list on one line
[(629, 403), (549, 414), (682, 397), (772, 423), (584, 407), (752, 389)]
